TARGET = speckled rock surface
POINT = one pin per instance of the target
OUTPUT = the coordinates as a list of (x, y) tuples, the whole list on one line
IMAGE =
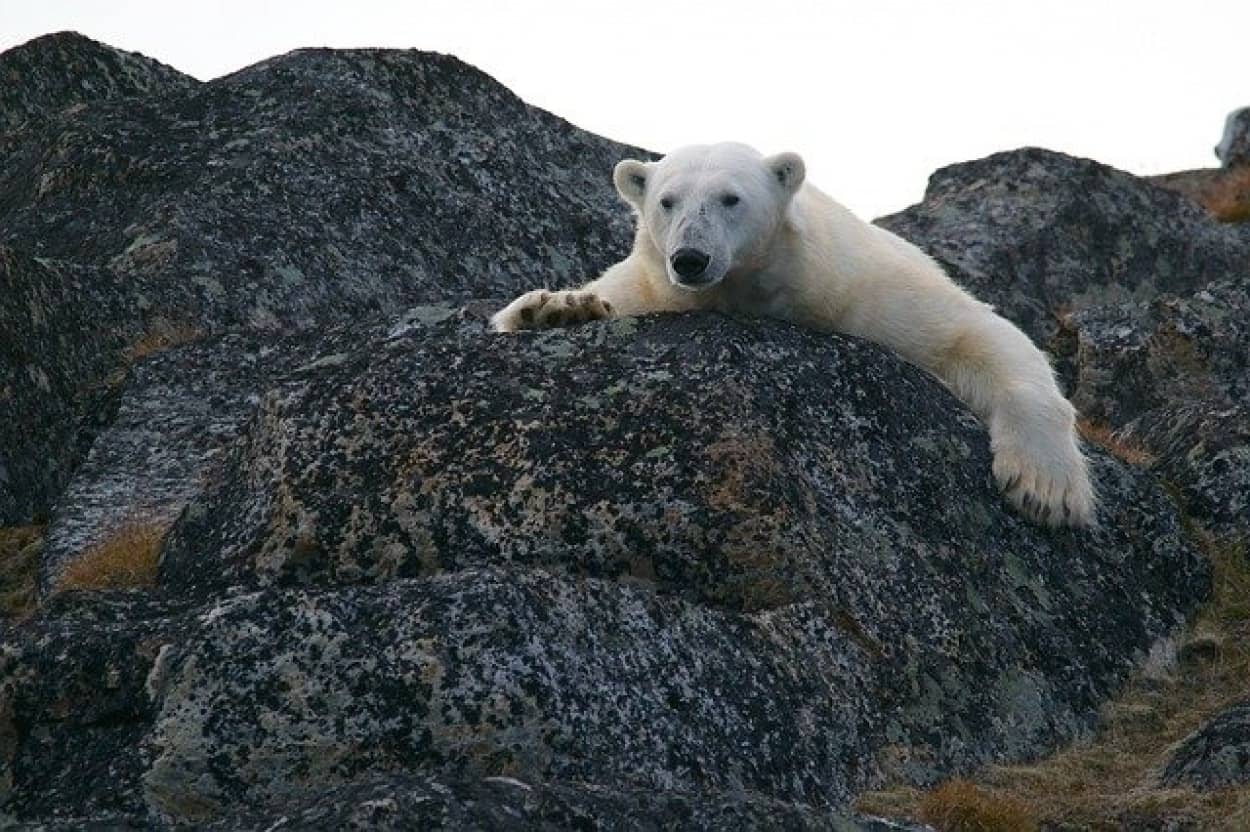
[(1041, 234), (55, 392), (55, 72), (1174, 375), (1216, 755), (313, 188), (1234, 147), (739, 475)]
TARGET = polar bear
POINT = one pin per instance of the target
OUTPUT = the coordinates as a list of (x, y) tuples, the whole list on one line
[(722, 227)]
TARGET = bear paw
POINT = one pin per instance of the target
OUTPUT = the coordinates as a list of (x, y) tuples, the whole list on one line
[(542, 309), (1048, 485)]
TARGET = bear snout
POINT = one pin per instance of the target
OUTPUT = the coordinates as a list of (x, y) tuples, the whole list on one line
[(689, 263)]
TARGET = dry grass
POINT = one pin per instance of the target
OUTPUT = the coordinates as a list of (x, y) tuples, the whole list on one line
[(126, 558), (1122, 449), (1111, 780), (161, 337), (19, 569), (961, 806), (1224, 192), (1228, 197)]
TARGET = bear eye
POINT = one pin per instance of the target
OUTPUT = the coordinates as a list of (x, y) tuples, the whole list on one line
[(729, 200), (666, 203)]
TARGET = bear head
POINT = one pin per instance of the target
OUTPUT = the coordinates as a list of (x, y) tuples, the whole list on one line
[(710, 211)]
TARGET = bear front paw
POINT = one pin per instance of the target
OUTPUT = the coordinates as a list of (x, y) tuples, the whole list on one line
[(1050, 488), (542, 309)]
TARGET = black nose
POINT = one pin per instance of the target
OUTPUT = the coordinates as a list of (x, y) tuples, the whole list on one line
[(689, 262)]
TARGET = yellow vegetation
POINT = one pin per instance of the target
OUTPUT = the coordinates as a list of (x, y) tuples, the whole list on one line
[(126, 558), (1122, 449), (960, 806), (160, 339)]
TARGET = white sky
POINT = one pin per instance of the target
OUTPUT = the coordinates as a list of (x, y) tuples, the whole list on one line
[(875, 94)]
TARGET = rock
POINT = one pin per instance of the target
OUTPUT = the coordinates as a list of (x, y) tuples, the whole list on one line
[(1234, 147), (1216, 755), (55, 361), (1040, 235), (177, 413), (748, 516), (66, 70), (505, 803), (227, 205), (74, 706), (1174, 375)]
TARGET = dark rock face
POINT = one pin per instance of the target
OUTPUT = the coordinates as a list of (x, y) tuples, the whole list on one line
[(1174, 374), (675, 572), (1216, 755), (310, 189), (55, 390), (1041, 234), (691, 506), (54, 72), (1234, 147)]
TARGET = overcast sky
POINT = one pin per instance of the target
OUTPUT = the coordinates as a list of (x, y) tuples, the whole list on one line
[(875, 94)]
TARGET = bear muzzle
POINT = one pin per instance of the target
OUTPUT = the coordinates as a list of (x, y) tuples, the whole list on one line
[(690, 266)]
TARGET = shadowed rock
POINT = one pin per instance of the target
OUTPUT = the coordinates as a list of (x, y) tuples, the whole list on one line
[(1216, 755)]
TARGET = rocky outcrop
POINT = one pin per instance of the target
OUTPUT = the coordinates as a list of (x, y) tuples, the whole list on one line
[(310, 189), (1234, 147), (691, 571), (66, 70), (1041, 235), (1216, 755), (1173, 376)]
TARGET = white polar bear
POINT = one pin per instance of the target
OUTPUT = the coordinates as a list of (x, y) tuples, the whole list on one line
[(721, 227)]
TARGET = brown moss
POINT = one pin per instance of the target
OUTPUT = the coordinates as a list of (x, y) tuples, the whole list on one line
[(1224, 192), (19, 568), (126, 558), (1111, 781), (159, 339), (960, 806), (1122, 449)]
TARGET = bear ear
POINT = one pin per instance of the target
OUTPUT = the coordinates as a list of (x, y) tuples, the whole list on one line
[(787, 170), (630, 177)]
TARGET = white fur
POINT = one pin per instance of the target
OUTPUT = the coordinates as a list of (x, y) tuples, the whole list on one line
[(787, 250)]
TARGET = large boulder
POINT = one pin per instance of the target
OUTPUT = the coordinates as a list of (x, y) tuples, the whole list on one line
[(1041, 234), (313, 188), (1173, 376)]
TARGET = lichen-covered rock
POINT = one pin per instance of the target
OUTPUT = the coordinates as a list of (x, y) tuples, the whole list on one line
[(1234, 147), (74, 706), (1174, 375), (739, 477), (55, 391), (1216, 755), (1040, 234), (54, 72), (176, 414), (311, 189)]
